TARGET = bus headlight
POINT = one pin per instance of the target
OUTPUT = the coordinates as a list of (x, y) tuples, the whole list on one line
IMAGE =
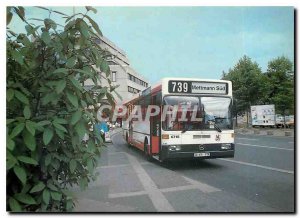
[(174, 148), (165, 136), (226, 146)]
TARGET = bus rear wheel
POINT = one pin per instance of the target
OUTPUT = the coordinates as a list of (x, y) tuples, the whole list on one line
[(127, 141), (146, 146)]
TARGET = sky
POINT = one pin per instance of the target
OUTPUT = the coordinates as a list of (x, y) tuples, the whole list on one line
[(190, 41)]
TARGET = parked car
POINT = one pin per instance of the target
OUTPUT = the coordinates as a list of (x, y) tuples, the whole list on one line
[(289, 121)]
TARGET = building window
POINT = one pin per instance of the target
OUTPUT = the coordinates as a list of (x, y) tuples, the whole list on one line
[(113, 76)]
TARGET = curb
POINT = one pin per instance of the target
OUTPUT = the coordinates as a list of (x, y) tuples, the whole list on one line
[(282, 133)]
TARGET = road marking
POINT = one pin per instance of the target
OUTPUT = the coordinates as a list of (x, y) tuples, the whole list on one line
[(248, 139), (260, 166), (127, 194), (159, 201), (262, 146), (201, 186), (112, 166)]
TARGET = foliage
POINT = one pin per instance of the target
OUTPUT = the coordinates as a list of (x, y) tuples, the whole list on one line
[(248, 84), (48, 109), (280, 77), (252, 87)]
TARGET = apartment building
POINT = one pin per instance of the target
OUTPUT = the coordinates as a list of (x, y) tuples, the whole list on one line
[(130, 82)]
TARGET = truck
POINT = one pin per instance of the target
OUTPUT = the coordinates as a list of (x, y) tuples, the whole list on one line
[(263, 115)]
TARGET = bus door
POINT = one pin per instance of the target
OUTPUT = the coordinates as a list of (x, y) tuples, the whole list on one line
[(155, 126)]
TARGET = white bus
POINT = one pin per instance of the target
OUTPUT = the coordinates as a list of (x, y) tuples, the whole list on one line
[(166, 135)]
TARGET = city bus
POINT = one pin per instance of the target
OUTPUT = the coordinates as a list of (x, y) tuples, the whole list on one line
[(167, 134)]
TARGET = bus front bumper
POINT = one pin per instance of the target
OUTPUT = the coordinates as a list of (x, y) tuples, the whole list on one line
[(210, 152)]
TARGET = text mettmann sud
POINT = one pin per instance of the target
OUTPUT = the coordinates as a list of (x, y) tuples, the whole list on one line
[(197, 87)]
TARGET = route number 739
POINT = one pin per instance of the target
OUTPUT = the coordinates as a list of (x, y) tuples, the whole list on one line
[(179, 86)]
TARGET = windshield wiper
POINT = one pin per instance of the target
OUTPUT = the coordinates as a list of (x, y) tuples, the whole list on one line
[(185, 129), (215, 125), (217, 128)]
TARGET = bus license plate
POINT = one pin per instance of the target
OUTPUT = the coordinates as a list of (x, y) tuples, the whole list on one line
[(201, 154)]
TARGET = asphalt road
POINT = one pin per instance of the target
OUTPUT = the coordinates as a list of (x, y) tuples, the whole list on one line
[(260, 178)]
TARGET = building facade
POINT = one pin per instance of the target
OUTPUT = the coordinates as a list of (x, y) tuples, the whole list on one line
[(130, 82)]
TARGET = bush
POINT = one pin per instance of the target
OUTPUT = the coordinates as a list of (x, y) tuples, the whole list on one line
[(48, 110)]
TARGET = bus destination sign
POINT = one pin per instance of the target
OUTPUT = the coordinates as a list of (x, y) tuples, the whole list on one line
[(192, 87)]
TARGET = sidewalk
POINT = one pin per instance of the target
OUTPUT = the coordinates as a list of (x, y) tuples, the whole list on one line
[(266, 131), (117, 188)]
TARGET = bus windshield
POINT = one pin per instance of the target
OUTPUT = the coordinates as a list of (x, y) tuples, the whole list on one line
[(211, 113)]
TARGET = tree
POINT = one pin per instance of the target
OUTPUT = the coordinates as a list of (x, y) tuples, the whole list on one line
[(248, 84), (280, 77), (47, 109)]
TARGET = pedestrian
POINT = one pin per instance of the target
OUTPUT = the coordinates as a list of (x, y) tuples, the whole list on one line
[(102, 127)]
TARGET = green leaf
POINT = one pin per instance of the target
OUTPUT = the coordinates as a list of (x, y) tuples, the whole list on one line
[(76, 117), (80, 129), (95, 25), (90, 165), (84, 72), (20, 12), (20, 173), (73, 99), (43, 123), (56, 195), (84, 29), (29, 140), (21, 97), (30, 126), (55, 163), (10, 144), (83, 183), (27, 112), (14, 205), (49, 97), (89, 8), (60, 121), (71, 62), (9, 16), (73, 165), (60, 133), (29, 30), (50, 23), (46, 37), (38, 187), (46, 196), (10, 162), (69, 205), (9, 121), (10, 94), (48, 159), (27, 160), (47, 135), (16, 131), (17, 56), (25, 198), (51, 186), (61, 84), (76, 83), (60, 127), (104, 68), (61, 70)]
